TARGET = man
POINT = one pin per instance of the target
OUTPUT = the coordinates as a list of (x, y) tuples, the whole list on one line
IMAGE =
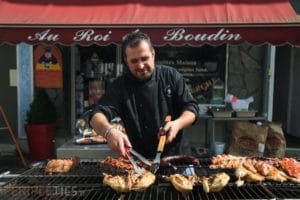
[(143, 97)]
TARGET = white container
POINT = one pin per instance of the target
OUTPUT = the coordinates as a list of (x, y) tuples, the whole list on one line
[(190, 170), (240, 105), (245, 113), (219, 148)]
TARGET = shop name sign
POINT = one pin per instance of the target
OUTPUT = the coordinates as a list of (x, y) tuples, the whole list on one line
[(181, 35), (175, 35), (88, 35)]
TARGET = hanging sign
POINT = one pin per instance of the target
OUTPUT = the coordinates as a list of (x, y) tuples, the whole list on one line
[(47, 67)]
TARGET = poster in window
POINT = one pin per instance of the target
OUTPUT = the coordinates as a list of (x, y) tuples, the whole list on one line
[(47, 67), (202, 67)]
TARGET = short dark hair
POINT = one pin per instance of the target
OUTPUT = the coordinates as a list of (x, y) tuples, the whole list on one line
[(133, 39)]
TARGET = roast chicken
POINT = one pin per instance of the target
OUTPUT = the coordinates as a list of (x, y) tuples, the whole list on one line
[(120, 164), (129, 182), (291, 166), (263, 171), (182, 183), (242, 172), (61, 166), (215, 183)]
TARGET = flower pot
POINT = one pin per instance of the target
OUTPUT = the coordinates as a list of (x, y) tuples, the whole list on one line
[(40, 138)]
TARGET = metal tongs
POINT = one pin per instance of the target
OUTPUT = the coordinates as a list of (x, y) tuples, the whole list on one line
[(130, 153)]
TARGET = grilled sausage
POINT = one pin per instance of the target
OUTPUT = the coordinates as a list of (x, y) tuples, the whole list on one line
[(167, 161)]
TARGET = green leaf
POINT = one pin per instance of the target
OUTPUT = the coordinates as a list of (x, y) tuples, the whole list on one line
[(42, 110)]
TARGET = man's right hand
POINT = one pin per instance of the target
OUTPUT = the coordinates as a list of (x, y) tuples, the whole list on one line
[(118, 141)]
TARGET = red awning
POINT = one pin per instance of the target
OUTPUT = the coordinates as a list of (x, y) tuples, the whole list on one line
[(174, 22)]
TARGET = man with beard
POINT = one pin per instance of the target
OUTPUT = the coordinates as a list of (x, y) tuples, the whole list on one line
[(142, 97)]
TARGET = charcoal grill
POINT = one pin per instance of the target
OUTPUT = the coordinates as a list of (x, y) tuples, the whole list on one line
[(85, 182)]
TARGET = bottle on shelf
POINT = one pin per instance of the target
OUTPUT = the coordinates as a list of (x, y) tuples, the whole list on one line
[(79, 93), (218, 92)]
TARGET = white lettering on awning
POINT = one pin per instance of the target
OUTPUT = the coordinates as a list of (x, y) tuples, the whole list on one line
[(44, 36), (90, 35), (181, 35)]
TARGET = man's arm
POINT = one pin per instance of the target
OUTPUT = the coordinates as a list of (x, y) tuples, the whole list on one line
[(100, 123), (184, 101), (116, 139)]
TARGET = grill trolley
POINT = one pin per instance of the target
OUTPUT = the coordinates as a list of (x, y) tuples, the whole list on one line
[(85, 182)]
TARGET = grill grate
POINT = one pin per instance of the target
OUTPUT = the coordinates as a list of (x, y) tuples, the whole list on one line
[(85, 182), (156, 192), (285, 190), (86, 168)]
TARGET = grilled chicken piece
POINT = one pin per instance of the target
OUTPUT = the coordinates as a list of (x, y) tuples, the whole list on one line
[(129, 182), (265, 171), (239, 182), (275, 175), (226, 161), (291, 166), (270, 172), (254, 177), (61, 165), (292, 179), (242, 172), (118, 183), (119, 164), (182, 183), (143, 181), (263, 168), (249, 165), (215, 183), (231, 162)]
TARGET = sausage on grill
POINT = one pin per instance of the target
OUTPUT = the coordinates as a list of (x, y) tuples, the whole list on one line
[(167, 161)]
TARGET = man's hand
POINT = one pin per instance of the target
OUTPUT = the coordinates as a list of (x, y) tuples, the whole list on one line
[(171, 129), (117, 141)]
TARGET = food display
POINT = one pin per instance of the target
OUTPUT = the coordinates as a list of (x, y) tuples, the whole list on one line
[(239, 170), (183, 183), (98, 139), (253, 169), (130, 181), (227, 161), (245, 173), (89, 135), (61, 166), (291, 166), (116, 164), (215, 182)]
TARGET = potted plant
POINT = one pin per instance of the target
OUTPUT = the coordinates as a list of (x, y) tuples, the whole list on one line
[(40, 126)]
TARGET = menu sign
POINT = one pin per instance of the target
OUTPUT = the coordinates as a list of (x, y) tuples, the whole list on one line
[(200, 66)]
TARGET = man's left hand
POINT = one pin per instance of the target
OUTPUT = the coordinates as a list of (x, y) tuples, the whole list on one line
[(171, 129)]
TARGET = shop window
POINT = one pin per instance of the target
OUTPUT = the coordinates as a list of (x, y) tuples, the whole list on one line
[(204, 69), (96, 70)]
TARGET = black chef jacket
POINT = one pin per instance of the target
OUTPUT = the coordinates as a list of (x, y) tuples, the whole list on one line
[(143, 104)]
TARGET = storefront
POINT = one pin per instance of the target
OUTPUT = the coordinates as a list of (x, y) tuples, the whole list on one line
[(198, 38)]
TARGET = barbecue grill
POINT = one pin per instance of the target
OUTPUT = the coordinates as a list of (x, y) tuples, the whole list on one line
[(85, 182)]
